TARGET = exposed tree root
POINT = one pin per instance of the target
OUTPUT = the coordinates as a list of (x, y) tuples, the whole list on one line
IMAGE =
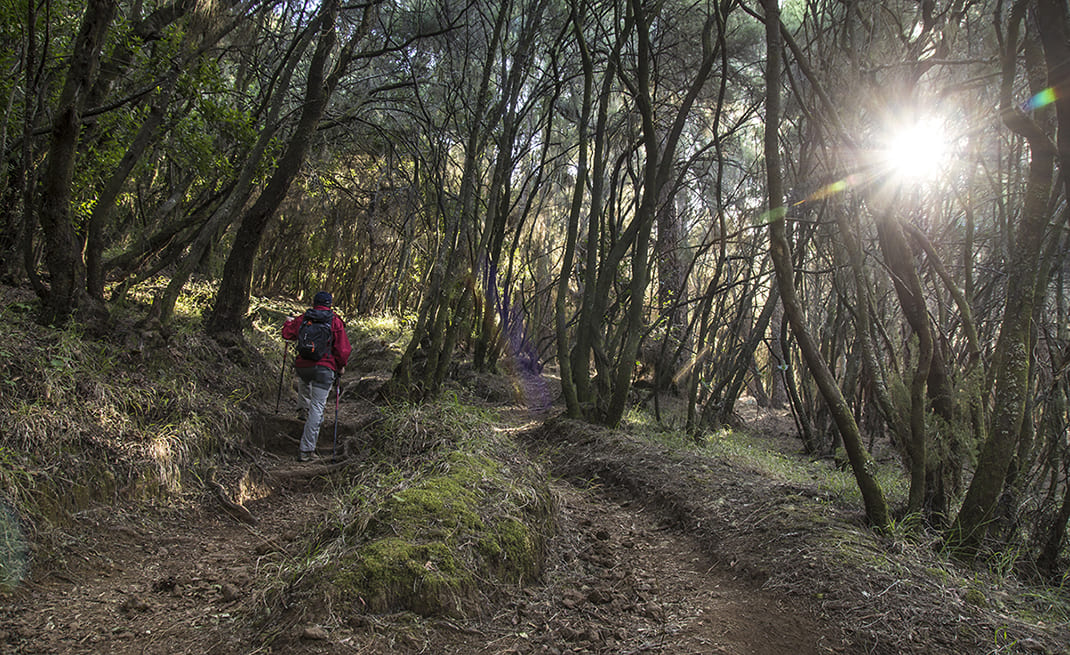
[(234, 509)]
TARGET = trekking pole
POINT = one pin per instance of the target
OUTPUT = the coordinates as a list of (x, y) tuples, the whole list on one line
[(334, 446), (282, 373)]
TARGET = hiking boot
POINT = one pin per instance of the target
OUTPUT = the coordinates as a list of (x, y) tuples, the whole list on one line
[(307, 456)]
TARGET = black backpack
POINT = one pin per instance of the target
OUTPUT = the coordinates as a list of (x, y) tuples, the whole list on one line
[(314, 337)]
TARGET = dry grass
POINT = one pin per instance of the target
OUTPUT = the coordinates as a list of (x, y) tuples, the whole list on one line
[(90, 420)]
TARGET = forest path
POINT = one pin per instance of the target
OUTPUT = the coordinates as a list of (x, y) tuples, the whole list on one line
[(618, 580)]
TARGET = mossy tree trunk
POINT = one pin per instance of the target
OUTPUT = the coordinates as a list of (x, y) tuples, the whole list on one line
[(860, 460), (955, 442), (67, 271), (1012, 356), (929, 386), (900, 261)]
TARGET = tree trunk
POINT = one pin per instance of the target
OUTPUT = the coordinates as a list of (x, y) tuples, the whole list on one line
[(672, 289), (1011, 360), (66, 293), (594, 297), (164, 304), (1048, 561), (644, 221), (947, 473), (861, 463), (148, 133), (743, 362), (425, 361), (568, 382), (900, 261), (22, 238), (495, 314), (105, 204), (778, 395), (659, 164), (232, 299)]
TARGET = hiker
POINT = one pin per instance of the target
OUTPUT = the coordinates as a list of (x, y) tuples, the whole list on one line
[(322, 353)]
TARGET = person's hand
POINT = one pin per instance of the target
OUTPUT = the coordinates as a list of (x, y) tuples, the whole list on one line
[(341, 371)]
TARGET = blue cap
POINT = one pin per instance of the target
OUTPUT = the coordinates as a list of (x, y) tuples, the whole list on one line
[(322, 298)]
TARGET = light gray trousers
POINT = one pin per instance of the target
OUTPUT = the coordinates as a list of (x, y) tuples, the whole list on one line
[(313, 388)]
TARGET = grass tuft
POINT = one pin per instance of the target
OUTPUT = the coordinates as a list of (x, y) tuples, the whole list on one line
[(443, 512), (88, 420)]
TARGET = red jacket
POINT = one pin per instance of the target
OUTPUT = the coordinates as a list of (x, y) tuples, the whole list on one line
[(340, 347)]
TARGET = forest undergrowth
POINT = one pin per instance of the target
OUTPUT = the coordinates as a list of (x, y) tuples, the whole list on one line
[(453, 525)]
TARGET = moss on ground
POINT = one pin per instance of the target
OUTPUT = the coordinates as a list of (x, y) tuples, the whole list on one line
[(393, 572), (468, 517)]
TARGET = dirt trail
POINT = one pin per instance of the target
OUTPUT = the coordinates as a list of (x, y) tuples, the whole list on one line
[(621, 583), (617, 581)]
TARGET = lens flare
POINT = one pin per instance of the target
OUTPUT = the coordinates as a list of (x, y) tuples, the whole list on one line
[(833, 188), (1042, 99)]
